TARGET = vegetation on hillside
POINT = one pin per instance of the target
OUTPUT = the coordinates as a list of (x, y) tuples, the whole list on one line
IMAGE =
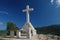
[(53, 29)]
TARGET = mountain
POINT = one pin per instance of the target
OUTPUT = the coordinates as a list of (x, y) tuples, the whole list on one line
[(52, 29)]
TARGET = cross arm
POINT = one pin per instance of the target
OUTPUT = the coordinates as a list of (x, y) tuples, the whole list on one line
[(31, 9), (25, 10)]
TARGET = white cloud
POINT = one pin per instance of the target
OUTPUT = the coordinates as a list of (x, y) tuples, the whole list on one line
[(55, 2), (1, 23), (52, 1), (58, 2), (3, 12)]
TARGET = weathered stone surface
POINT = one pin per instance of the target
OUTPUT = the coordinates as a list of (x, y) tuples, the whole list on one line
[(48, 37), (23, 38), (36, 37)]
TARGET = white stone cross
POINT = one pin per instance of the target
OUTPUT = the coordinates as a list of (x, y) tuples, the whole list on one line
[(27, 10)]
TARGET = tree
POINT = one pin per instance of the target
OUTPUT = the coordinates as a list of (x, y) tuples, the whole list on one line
[(11, 27)]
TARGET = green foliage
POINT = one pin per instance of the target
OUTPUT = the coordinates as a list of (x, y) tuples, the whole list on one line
[(53, 29), (11, 27)]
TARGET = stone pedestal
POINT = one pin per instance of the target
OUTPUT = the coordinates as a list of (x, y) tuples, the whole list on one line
[(34, 32), (18, 34), (11, 33), (28, 27), (29, 33)]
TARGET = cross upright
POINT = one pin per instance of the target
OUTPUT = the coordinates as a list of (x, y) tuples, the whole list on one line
[(27, 10)]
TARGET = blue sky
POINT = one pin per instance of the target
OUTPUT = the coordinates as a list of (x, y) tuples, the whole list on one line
[(46, 12)]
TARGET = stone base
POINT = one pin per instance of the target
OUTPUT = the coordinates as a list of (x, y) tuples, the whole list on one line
[(22, 38)]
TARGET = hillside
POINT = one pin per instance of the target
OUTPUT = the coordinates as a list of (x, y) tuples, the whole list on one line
[(2, 32), (53, 29)]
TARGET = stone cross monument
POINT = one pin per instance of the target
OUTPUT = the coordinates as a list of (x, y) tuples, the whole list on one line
[(28, 26), (27, 10)]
